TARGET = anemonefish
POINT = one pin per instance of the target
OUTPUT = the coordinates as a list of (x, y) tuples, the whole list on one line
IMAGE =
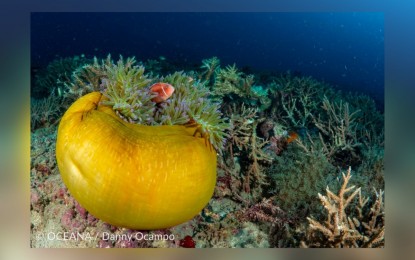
[(163, 90)]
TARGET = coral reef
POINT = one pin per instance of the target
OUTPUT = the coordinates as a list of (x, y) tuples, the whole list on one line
[(55, 75), (296, 177), (281, 139), (340, 141), (296, 99), (233, 86), (243, 136), (44, 112)]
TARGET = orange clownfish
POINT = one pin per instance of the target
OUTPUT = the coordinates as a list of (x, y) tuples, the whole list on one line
[(163, 90), (291, 137)]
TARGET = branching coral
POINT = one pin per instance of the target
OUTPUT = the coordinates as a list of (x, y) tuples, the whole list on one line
[(298, 97), (227, 81), (242, 135), (339, 129), (242, 120), (347, 125), (256, 155), (342, 228), (337, 138), (370, 122), (341, 125), (210, 66), (230, 81)]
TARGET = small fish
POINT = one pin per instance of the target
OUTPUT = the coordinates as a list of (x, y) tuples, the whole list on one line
[(291, 137), (163, 90)]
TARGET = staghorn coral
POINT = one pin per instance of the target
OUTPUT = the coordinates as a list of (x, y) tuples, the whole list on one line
[(234, 86), (210, 66), (371, 171), (297, 99), (256, 155), (227, 81), (244, 142), (338, 132), (242, 120), (289, 91), (340, 126), (230, 81), (345, 227), (370, 120)]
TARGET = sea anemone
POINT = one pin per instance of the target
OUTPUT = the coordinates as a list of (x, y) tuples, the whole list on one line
[(131, 94), (191, 105), (132, 175), (127, 91)]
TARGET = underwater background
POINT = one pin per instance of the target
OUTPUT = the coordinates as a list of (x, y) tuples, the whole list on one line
[(343, 49), (297, 100)]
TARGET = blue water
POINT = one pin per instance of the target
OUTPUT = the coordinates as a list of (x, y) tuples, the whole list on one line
[(343, 49)]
